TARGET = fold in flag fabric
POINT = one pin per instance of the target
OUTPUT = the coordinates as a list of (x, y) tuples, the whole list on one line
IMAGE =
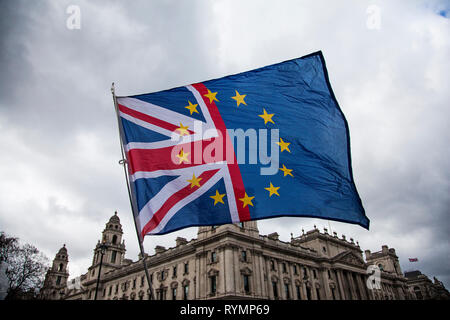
[(260, 144)]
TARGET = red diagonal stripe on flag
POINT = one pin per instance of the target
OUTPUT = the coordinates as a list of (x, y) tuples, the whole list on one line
[(174, 199), (233, 168)]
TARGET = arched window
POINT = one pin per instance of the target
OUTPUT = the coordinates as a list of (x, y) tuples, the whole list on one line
[(114, 239), (418, 293), (61, 266)]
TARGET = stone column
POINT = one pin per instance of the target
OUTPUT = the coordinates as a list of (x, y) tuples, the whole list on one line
[(326, 285), (269, 280), (237, 273), (229, 281), (352, 285), (342, 292), (261, 276)]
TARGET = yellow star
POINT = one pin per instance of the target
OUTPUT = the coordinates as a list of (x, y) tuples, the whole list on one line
[(183, 156), (211, 96), (192, 107), (218, 197), (182, 130), (284, 145), (266, 116), (286, 171), (239, 98), (195, 181), (246, 200), (272, 190)]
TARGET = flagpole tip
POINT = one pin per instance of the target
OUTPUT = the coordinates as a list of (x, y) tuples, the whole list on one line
[(112, 88)]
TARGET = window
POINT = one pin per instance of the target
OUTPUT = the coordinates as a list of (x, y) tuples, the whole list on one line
[(213, 284), (114, 239), (333, 294), (297, 289), (286, 291), (58, 280), (381, 267), (61, 266), (142, 281), (113, 256), (418, 293), (324, 250), (314, 274), (244, 255), (213, 256), (308, 293), (174, 271), (134, 283), (305, 273), (318, 293), (295, 270), (272, 265), (246, 284), (185, 292), (275, 289), (241, 224), (174, 293), (186, 267), (284, 267), (163, 274), (110, 290), (93, 272), (151, 278)]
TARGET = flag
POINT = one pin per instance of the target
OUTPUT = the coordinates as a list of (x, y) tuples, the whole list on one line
[(260, 144), (413, 259)]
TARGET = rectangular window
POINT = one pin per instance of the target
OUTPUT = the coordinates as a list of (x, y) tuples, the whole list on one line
[(315, 274), (110, 290), (286, 291), (174, 271), (185, 292), (295, 270), (213, 284), (113, 257), (134, 283), (275, 289), (329, 275), (186, 267), (284, 267), (174, 293), (246, 284), (244, 255), (213, 256), (297, 288), (58, 280)]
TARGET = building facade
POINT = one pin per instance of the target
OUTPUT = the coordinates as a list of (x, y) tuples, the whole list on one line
[(235, 262)]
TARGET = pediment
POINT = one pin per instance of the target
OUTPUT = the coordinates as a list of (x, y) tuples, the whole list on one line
[(350, 258)]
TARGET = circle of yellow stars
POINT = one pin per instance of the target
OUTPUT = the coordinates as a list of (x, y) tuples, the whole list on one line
[(266, 116)]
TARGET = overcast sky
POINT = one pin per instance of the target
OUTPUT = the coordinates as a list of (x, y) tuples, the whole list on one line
[(388, 63)]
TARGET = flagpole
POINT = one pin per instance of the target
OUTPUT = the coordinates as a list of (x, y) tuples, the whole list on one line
[(124, 162)]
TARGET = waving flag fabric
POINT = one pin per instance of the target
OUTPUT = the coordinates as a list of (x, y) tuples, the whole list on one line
[(260, 144)]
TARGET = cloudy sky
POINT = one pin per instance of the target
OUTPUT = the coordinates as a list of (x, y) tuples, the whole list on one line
[(388, 63)]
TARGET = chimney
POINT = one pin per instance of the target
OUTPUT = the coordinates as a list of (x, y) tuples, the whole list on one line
[(159, 249), (384, 249), (273, 236), (179, 241), (367, 253)]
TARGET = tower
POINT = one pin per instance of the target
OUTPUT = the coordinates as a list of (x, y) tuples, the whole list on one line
[(55, 282), (111, 247), (248, 227)]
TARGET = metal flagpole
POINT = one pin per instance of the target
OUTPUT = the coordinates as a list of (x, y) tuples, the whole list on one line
[(124, 162)]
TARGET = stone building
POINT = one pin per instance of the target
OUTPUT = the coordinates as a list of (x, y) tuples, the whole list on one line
[(55, 282), (235, 262), (423, 288)]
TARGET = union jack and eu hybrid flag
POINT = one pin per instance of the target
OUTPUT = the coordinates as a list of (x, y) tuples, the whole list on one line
[(259, 144)]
